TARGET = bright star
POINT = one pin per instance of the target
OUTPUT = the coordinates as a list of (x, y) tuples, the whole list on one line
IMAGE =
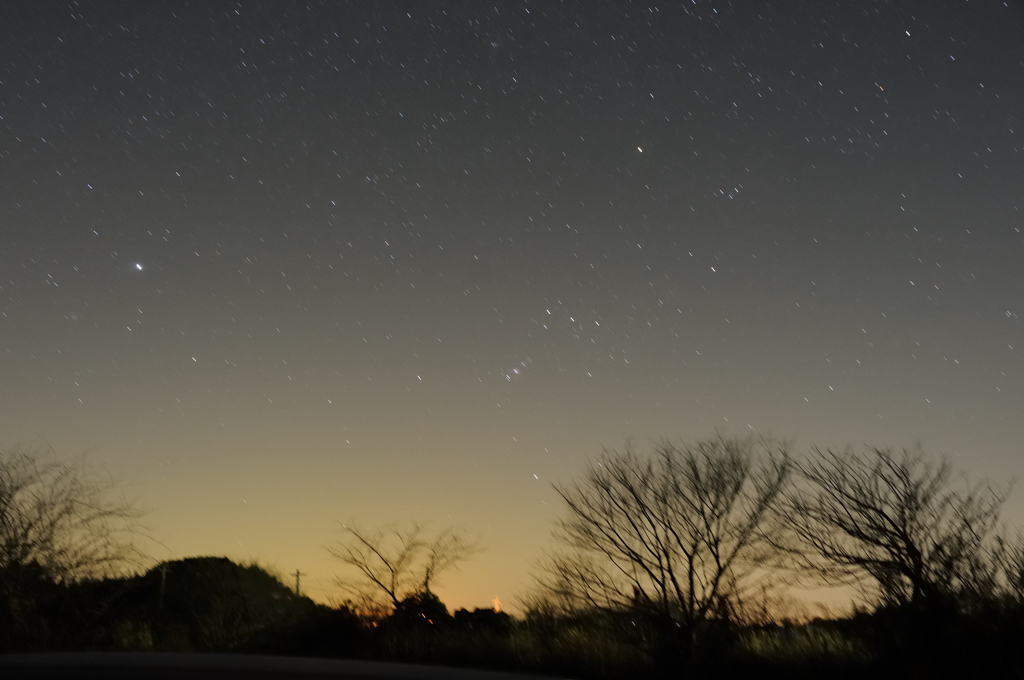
[(138, 266)]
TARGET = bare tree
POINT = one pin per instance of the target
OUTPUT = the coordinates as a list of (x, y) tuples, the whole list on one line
[(396, 562), (999, 571), (444, 552), (681, 534), (63, 518), (895, 521)]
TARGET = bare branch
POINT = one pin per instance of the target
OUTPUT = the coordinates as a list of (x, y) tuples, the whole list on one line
[(397, 562), (445, 552), (63, 517), (679, 533), (895, 519)]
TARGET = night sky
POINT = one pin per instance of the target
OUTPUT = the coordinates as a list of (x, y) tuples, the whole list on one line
[(283, 265)]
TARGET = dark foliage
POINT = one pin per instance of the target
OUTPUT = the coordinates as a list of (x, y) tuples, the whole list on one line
[(213, 604), (423, 609), (484, 620), (198, 604), (26, 591), (321, 632)]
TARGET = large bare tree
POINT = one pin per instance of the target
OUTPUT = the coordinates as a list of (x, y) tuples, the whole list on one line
[(62, 517), (895, 521), (396, 562), (682, 534)]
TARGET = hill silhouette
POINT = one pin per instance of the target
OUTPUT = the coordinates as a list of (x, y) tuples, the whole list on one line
[(208, 603), (193, 604)]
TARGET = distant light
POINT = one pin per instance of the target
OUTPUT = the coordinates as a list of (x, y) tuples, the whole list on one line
[(639, 149), (138, 266)]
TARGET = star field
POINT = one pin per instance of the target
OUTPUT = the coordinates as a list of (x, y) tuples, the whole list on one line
[(279, 265)]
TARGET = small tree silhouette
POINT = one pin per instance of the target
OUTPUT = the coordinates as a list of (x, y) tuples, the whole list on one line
[(396, 563)]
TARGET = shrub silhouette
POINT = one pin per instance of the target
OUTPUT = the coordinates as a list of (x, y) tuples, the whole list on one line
[(420, 609), (484, 620), (26, 592)]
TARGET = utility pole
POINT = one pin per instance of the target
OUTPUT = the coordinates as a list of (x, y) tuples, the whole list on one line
[(298, 575), (163, 583)]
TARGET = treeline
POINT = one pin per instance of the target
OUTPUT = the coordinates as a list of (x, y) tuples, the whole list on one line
[(211, 604), (687, 552), (675, 562)]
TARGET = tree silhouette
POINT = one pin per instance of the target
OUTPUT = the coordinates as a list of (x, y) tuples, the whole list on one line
[(680, 535), (893, 519), (396, 562), (63, 517)]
